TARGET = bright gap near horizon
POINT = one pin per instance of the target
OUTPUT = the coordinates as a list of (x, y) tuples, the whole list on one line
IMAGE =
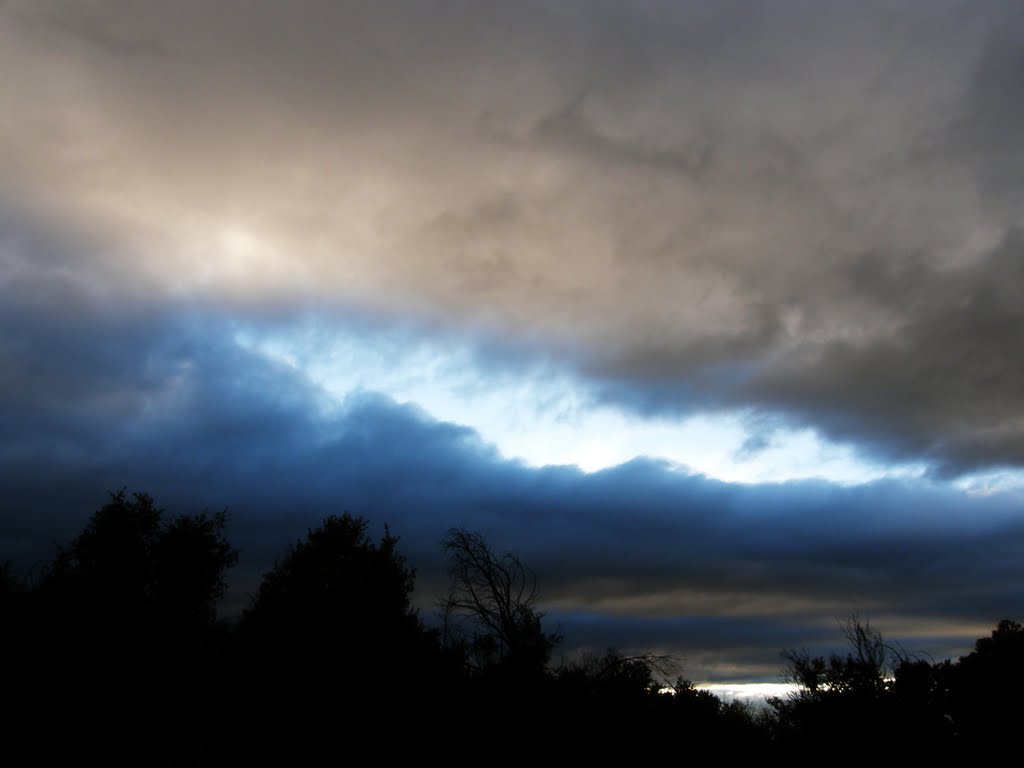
[(540, 414)]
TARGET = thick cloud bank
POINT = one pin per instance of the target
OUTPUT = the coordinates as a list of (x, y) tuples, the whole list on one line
[(639, 556), (810, 214), (814, 211)]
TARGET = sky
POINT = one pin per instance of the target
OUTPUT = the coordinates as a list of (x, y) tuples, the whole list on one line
[(712, 311)]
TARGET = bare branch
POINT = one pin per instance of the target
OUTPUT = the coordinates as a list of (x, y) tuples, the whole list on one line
[(491, 601)]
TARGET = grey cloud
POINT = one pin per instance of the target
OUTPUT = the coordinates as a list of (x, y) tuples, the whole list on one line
[(699, 206), (568, 125), (87, 24), (812, 215), (984, 134), (944, 386)]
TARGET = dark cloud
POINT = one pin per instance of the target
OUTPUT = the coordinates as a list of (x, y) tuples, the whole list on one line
[(983, 136), (812, 217), (638, 556), (87, 24), (944, 386)]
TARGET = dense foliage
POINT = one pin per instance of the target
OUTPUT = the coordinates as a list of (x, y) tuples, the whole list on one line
[(114, 656)]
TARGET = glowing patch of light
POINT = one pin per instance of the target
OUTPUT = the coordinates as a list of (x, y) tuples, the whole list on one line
[(239, 242), (542, 415), (235, 258), (752, 692)]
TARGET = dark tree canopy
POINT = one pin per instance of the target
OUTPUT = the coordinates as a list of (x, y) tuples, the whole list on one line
[(118, 636), (337, 604), (337, 586), (130, 565), (865, 670), (986, 687), (332, 628), (876, 699), (190, 560), (114, 658)]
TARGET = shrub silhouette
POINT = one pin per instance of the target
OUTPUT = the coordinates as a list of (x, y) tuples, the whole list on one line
[(877, 701)]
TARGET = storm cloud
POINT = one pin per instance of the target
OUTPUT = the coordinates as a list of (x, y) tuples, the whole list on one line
[(809, 214), (640, 556)]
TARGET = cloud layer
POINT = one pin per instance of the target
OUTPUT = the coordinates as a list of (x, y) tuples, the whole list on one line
[(811, 215), (639, 556), (811, 211)]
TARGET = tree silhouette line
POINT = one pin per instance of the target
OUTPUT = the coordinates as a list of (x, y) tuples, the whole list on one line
[(114, 655)]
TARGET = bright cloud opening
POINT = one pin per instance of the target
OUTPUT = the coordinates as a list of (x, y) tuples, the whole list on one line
[(541, 415)]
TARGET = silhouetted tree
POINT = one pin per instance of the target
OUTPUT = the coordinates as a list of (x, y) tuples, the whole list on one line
[(634, 675), (491, 607), (491, 621), (190, 559), (864, 671), (103, 578), (123, 618), (337, 594), (129, 567), (332, 631), (986, 689)]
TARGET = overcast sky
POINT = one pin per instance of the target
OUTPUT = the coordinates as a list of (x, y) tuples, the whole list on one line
[(713, 311)]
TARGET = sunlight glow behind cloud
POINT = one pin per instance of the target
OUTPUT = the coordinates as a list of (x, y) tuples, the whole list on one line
[(541, 415)]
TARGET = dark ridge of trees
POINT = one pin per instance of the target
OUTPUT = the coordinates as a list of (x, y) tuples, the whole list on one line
[(875, 696), (114, 656), (879, 700), (617, 709)]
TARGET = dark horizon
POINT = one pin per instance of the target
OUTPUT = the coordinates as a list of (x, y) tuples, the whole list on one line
[(115, 657)]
